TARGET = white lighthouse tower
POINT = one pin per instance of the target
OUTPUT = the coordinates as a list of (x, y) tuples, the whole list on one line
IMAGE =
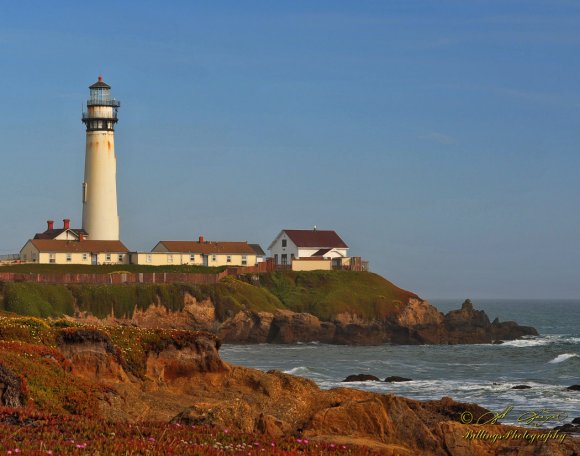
[(100, 216)]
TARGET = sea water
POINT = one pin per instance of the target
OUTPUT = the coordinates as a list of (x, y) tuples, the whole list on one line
[(482, 373)]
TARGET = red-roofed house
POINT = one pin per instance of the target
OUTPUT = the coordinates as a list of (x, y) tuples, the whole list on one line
[(56, 251), (200, 252), (291, 244)]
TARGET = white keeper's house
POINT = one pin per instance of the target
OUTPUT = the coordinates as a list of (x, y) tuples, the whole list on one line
[(314, 244)]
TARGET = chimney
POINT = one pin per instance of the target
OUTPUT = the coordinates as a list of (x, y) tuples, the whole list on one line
[(50, 225), (201, 239), (66, 223)]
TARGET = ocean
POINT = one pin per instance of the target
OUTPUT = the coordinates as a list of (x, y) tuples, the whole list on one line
[(484, 374)]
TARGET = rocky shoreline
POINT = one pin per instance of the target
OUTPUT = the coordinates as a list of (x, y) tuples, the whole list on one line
[(180, 378), (416, 322)]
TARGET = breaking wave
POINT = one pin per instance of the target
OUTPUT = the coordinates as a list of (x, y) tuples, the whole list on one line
[(563, 357)]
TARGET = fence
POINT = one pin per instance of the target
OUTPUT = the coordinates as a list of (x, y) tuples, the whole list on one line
[(153, 277), (114, 278)]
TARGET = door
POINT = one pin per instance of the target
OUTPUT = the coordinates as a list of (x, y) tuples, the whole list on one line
[(94, 259)]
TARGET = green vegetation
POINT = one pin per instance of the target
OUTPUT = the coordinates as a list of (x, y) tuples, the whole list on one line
[(321, 293), (37, 300), (105, 268), (231, 295), (121, 300), (329, 293)]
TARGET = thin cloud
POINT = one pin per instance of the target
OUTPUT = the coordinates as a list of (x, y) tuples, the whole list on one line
[(440, 138)]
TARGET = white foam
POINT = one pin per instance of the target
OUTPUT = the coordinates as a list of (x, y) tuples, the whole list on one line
[(300, 370), (563, 357), (539, 341)]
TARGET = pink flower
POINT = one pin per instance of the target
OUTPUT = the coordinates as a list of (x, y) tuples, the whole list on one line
[(299, 440), (306, 441), (226, 431), (151, 439), (273, 444), (81, 445)]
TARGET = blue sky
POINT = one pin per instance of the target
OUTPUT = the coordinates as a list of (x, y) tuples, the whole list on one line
[(439, 138)]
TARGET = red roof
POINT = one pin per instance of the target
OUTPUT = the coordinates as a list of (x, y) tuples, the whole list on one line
[(209, 247), (86, 246), (316, 238), (51, 234)]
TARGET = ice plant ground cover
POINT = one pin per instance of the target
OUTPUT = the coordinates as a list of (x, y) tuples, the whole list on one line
[(59, 412), (27, 432)]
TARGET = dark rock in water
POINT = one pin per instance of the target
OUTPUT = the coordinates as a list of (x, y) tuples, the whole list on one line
[(394, 379), (574, 388), (576, 420), (497, 342), (568, 428), (361, 378), (521, 387)]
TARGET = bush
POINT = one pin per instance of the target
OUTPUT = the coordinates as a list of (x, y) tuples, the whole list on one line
[(38, 300)]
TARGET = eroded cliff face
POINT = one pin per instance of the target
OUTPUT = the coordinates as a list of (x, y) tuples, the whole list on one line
[(415, 322), (191, 385)]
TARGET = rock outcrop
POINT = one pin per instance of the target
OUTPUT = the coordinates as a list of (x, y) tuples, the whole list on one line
[(12, 389), (418, 322), (415, 322), (191, 385)]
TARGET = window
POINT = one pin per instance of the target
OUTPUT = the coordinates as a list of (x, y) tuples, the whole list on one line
[(33, 257), (291, 257), (284, 242), (108, 257), (192, 257), (24, 256), (213, 258), (84, 192), (170, 259), (68, 257), (244, 260), (120, 257), (229, 259), (284, 258), (51, 258), (148, 258), (85, 256)]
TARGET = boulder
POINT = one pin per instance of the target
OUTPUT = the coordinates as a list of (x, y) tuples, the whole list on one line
[(521, 387), (574, 388), (361, 378), (397, 379)]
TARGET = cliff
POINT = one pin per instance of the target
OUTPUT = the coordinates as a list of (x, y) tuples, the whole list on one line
[(49, 372), (337, 307)]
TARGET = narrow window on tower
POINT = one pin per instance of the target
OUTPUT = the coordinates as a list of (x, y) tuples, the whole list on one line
[(84, 192)]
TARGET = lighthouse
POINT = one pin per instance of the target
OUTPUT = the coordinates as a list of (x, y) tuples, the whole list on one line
[(100, 216)]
